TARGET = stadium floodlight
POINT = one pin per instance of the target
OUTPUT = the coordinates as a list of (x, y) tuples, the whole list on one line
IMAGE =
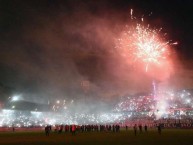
[(15, 98)]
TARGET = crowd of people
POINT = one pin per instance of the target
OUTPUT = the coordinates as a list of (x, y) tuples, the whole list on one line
[(73, 129), (80, 128)]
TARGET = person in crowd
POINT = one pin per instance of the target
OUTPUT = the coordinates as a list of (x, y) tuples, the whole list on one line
[(47, 130), (140, 128), (113, 128), (61, 129), (159, 129), (145, 128), (73, 129), (135, 129)]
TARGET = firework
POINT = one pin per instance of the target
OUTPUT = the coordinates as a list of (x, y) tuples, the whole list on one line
[(144, 45)]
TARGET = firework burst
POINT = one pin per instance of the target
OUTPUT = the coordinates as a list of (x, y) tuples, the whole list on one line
[(144, 44)]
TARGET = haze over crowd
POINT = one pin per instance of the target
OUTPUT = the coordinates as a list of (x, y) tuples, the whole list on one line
[(52, 50)]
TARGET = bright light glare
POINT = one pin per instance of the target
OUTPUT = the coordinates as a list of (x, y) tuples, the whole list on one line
[(15, 98)]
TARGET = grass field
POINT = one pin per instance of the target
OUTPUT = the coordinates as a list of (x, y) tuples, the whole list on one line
[(168, 137)]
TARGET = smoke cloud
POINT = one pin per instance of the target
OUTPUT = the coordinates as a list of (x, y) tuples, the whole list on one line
[(52, 54)]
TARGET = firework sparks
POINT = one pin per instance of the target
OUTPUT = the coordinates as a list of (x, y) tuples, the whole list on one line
[(144, 44), (131, 12)]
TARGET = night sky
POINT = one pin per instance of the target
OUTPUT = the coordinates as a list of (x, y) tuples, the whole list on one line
[(49, 48)]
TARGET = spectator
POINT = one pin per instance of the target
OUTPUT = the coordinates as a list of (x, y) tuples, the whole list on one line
[(135, 129)]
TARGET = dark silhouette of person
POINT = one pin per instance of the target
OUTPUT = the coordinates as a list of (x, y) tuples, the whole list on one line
[(135, 129), (47, 131), (140, 128), (159, 129), (73, 129), (113, 128), (126, 127), (61, 129), (145, 128)]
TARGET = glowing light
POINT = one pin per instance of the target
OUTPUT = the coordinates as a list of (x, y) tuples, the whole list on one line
[(15, 98), (129, 108), (131, 13), (188, 100), (144, 44)]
